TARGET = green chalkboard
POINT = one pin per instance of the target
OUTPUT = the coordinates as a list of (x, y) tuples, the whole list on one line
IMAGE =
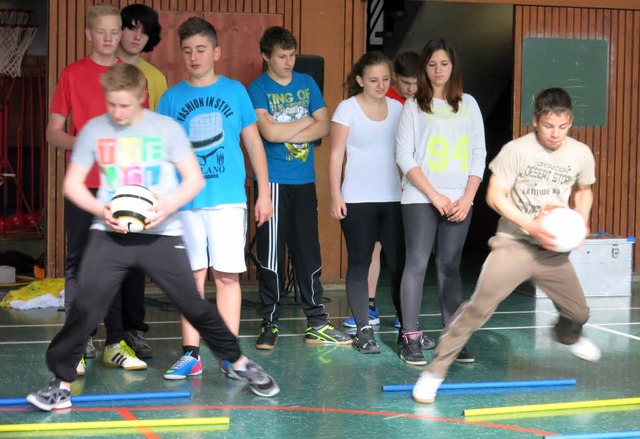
[(578, 66)]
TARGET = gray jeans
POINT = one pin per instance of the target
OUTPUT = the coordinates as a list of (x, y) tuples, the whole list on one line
[(510, 263)]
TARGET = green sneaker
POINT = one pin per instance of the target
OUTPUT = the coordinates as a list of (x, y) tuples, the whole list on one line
[(122, 356), (326, 334), (81, 368), (268, 335)]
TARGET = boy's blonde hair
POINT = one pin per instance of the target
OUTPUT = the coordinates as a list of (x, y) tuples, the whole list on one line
[(123, 76), (101, 10)]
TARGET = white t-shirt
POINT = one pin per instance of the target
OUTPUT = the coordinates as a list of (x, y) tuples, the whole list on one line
[(371, 174), (448, 147)]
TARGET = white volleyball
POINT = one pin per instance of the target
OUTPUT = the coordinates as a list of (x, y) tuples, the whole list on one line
[(567, 225), (130, 205)]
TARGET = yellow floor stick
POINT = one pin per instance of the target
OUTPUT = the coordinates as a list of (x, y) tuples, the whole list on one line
[(550, 407), (92, 425)]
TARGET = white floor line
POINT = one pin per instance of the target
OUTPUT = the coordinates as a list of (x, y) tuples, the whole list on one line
[(603, 328)]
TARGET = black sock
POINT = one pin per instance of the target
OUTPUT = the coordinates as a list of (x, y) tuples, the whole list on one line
[(372, 304), (193, 351)]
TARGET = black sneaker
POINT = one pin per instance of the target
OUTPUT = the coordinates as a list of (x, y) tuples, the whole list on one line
[(327, 334), (260, 381), (137, 342), (89, 349), (411, 350), (365, 342), (268, 335), (464, 356), (51, 397), (427, 342)]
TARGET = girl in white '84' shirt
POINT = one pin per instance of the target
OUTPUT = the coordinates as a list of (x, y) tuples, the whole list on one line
[(440, 149)]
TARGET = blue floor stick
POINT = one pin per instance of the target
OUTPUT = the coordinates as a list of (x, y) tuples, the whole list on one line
[(108, 397), (485, 385)]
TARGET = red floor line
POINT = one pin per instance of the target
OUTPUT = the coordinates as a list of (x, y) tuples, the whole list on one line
[(126, 412), (145, 431)]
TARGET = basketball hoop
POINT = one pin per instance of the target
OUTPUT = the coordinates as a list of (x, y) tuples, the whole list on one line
[(15, 38), (13, 17), (14, 42)]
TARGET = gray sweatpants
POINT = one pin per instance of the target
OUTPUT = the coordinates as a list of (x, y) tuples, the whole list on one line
[(510, 263)]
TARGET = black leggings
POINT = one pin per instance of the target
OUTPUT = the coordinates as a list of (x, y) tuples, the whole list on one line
[(365, 224), (424, 227)]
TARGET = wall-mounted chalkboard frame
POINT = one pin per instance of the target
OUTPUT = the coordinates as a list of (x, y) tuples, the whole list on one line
[(578, 66)]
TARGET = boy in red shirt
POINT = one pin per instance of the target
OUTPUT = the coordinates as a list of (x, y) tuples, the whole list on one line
[(80, 97), (404, 76)]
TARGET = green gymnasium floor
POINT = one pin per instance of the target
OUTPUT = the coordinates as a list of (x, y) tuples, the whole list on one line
[(333, 391)]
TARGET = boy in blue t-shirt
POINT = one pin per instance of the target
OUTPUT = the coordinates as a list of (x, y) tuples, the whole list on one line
[(291, 116), (215, 112)]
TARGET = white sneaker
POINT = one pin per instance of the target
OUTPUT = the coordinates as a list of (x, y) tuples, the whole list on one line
[(586, 350), (81, 368), (122, 356), (425, 389)]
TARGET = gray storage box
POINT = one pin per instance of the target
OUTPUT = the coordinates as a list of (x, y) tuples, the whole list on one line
[(604, 265)]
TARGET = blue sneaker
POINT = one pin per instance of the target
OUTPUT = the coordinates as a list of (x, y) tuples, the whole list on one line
[(397, 324), (374, 319), (184, 367)]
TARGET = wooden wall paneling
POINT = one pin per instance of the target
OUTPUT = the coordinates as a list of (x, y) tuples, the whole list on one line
[(596, 4), (539, 22), (239, 36), (74, 23), (359, 19), (634, 120), (615, 148), (613, 194), (594, 139), (167, 55), (318, 25), (548, 22), (600, 147), (288, 16), (326, 37), (560, 22), (518, 29), (55, 157), (621, 194), (608, 154)]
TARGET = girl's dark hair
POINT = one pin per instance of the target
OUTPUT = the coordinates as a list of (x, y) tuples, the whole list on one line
[(552, 100), (452, 90), (138, 14), (369, 59)]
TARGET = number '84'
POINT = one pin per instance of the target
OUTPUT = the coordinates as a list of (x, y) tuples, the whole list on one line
[(441, 156)]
